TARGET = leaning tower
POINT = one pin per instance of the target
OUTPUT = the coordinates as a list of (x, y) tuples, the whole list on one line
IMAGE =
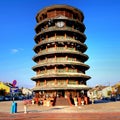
[(59, 52)]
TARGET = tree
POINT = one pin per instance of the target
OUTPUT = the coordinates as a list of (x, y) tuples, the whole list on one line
[(118, 89), (109, 93), (2, 92)]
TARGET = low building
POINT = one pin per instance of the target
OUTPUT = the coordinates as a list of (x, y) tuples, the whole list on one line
[(106, 92), (4, 87), (26, 91)]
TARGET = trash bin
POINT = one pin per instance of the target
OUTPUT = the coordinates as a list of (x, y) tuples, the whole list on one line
[(14, 107)]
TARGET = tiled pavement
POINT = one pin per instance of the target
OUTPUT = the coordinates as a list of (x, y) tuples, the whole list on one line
[(104, 111), (61, 116)]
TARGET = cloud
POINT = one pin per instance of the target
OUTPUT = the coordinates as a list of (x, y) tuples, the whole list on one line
[(14, 50)]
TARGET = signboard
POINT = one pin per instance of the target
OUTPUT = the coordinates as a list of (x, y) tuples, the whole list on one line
[(14, 89), (14, 83)]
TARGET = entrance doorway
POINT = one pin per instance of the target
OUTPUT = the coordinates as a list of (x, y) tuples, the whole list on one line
[(60, 93)]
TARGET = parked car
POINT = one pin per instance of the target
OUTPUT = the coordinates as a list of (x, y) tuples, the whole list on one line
[(113, 98), (20, 97), (118, 97), (8, 98), (103, 100), (2, 98)]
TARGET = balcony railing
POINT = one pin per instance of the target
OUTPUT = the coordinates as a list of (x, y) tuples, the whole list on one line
[(58, 60), (58, 49), (59, 71), (54, 28)]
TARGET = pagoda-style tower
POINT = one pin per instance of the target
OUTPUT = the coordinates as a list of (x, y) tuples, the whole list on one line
[(60, 59)]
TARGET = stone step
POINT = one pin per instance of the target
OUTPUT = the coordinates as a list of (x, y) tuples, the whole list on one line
[(62, 102)]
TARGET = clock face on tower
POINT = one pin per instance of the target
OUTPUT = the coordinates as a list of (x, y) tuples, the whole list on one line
[(60, 24)]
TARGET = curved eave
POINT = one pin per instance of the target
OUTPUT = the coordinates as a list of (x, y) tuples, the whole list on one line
[(45, 21), (63, 87), (60, 40), (61, 75), (84, 56), (62, 6), (56, 29), (86, 67)]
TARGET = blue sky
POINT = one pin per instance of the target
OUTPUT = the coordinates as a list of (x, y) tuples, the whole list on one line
[(17, 23)]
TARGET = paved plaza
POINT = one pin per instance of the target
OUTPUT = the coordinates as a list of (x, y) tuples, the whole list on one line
[(102, 111)]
